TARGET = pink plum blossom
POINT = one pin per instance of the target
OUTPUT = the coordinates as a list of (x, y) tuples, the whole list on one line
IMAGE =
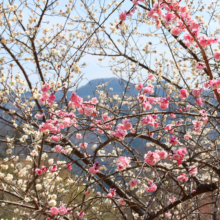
[(172, 199), (139, 87), (83, 145), (179, 154), (173, 140), (52, 97), (197, 125), (78, 136), (187, 136), (126, 124), (183, 94), (151, 76), (62, 210), (120, 133), (175, 31), (164, 103), (168, 215), (148, 120), (45, 88), (58, 148), (163, 154), (39, 115), (43, 169), (95, 168), (151, 186), (200, 65), (133, 183), (80, 214), (135, 2), (197, 92), (193, 170), (172, 115), (53, 168), (69, 166), (217, 55), (121, 201), (149, 89), (151, 158), (147, 105), (38, 171), (182, 178), (112, 193), (123, 163), (87, 193), (54, 211), (122, 16), (169, 128)]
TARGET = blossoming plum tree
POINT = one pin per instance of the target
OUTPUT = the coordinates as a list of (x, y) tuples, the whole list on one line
[(151, 152)]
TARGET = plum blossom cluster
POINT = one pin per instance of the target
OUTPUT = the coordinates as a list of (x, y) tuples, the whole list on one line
[(192, 172), (121, 201), (151, 186), (46, 97), (134, 182), (60, 149), (178, 17), (124, 14), (146, 101), (40, 171), (112, 193), (178, 155), (58, 120), (154, 157), (213, 84), (174, 140), (62, 210), (95, 168), (87, 108), (121, 130), (123, 163), (196, 93)]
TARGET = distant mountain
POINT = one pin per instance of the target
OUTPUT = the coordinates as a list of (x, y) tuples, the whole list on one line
[(118, 86)]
